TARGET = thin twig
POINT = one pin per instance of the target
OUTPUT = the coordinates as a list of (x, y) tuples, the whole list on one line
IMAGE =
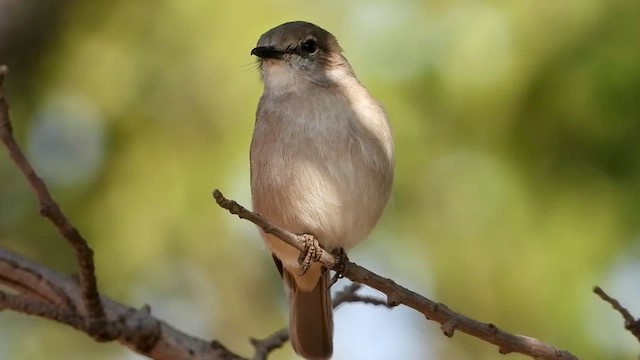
[(630, 323), (290, 238), (396, 294), (51, 210), (349, 295), (263, 347)]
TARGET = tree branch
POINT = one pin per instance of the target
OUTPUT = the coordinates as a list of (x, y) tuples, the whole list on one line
[(137, 329), (50, 210), (630, 323), (396, 294)]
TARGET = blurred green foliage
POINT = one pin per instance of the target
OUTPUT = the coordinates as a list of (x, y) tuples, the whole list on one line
[(518, 163)]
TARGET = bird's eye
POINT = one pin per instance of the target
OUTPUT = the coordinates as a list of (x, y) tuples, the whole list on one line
[(309, 46)]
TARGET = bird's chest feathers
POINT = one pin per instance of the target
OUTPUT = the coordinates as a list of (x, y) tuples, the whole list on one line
[(312, 126), (305, 149)]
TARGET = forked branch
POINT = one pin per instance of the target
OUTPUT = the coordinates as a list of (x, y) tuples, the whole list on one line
[(50, 209)]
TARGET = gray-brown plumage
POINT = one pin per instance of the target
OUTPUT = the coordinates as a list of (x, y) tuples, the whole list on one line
[(321, 163)]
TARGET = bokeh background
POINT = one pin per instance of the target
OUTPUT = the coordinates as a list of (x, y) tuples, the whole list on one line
[(517, 127)]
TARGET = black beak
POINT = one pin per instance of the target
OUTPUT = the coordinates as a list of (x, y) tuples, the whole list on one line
[(267, 52)]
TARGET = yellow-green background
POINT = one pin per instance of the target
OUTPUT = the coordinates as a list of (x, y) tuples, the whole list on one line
[(517, 129)]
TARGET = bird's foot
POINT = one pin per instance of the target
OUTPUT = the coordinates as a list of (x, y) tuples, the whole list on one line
[(340, 266), (312, 252)]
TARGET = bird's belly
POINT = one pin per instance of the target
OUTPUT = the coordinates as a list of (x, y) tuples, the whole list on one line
[(327, 198)]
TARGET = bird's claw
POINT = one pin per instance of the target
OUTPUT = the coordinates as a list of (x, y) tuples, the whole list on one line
[(341, 265), (312, 252)]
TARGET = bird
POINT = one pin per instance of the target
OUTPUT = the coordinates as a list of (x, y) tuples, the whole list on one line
[(321, 163)]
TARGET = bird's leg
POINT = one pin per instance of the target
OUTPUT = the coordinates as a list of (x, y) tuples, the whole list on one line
[(312, 252), (340, 266)]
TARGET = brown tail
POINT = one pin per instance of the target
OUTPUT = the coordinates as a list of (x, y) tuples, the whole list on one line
[(310, 318)]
